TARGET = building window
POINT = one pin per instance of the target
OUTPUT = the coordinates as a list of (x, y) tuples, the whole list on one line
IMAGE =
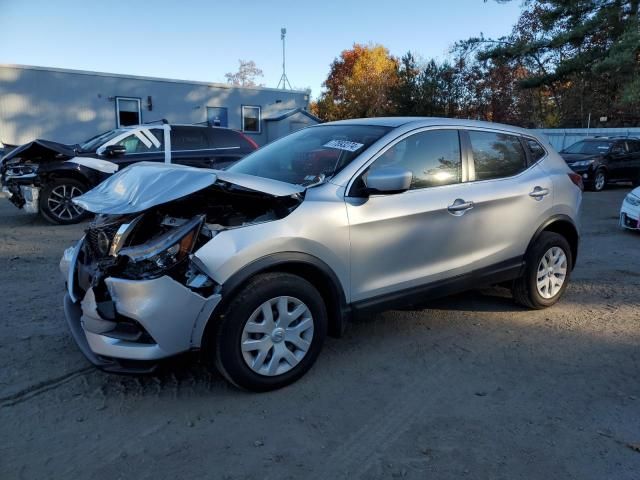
[(217, 116), (251, 118), (128, 111)]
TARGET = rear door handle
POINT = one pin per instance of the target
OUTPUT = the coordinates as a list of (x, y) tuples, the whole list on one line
[(538, 193), (459, 206)]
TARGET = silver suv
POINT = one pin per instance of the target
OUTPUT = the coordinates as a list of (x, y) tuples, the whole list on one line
[(255, 265)]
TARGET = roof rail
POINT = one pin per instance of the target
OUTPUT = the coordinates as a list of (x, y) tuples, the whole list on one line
[(164, 121)]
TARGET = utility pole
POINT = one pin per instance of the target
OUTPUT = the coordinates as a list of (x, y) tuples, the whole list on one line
[(284, 81)]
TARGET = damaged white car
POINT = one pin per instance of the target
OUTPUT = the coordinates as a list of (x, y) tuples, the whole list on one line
[(254, 265), (630, 210)]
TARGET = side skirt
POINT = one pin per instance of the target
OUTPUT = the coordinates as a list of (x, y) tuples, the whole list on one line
[(495, 274)]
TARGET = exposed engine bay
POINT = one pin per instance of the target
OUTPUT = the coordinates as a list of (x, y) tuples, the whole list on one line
[(159, 241)]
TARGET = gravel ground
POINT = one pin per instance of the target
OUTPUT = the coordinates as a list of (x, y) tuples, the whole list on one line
[(472, 387)]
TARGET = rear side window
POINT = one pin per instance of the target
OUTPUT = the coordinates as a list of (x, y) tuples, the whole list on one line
[(188, 138), (432, 156), (496, 155), (535, 149)]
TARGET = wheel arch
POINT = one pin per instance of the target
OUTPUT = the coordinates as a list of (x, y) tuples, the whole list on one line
[(562, 225), (311, 268)]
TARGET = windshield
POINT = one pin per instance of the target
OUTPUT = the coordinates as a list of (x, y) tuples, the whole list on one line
[(310, 155), (94, 143), (589, 147)]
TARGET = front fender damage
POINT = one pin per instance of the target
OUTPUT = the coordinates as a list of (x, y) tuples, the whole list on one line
[(141, 292)]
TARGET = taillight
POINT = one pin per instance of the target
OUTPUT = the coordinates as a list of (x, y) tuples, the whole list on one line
[(251, 142), (577, 180)]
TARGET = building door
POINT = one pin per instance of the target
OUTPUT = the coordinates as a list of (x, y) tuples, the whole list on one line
[(217, 116), (128, 111)]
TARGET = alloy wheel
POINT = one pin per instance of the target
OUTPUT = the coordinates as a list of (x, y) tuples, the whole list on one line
[(60, 202), (552, 272), (599, 181), (277, 336)]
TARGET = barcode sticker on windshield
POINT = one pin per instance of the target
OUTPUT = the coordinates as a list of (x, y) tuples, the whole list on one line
[(344, 145)]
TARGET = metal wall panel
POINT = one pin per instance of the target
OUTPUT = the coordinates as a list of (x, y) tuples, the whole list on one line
[(71, 106)]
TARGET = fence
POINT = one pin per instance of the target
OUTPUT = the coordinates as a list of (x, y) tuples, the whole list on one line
[(560, 138)]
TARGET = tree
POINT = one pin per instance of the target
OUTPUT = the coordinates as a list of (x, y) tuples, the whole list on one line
[(582, 55), (359, 84), (246, 74)]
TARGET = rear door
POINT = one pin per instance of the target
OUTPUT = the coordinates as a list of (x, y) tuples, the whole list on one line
[(511, 193), (190, 146), (227, 147), (634, 150)]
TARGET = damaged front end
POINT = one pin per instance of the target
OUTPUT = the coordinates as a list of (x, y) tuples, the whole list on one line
[(20, 170), (135, 291)]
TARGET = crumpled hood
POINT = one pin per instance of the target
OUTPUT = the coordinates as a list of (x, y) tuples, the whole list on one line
[(147, 184), (41, 148)]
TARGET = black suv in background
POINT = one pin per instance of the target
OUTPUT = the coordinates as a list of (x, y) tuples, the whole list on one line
[(601, 160), (44, 176)]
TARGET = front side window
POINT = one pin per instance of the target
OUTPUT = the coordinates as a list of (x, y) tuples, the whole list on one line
[(311, 154), (144, 141), (433, 157), (251, 119), (496, 155)]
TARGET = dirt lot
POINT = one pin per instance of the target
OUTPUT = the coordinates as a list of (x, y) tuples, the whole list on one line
[(473, 387)]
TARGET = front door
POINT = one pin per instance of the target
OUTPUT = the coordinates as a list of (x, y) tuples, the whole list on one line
[(142, 145), (399, 241), (620, 162)]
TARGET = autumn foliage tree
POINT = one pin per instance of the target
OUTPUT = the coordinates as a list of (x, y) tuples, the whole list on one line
[(564, 64), (359, 84)]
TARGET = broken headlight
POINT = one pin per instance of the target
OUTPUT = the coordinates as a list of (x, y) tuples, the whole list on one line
[(164, 251), (19, 170)]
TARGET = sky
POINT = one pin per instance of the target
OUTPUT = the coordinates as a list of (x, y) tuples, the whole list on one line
[(203, 40)]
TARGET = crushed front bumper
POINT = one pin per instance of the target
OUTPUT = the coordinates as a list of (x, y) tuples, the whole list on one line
[(23, 195), (630, 216), (171, 317)]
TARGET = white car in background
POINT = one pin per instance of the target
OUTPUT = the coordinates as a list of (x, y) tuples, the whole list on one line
[(630, 210)]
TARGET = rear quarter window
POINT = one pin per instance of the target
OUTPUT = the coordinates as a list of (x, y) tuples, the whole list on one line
[(496, 155), (535, 149)]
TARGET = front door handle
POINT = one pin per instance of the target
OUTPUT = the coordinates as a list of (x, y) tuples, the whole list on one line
[(538, 193), (459, 207)]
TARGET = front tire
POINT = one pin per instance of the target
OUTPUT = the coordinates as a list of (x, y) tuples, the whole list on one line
[(599, 181), (547, 271), (56, 203), (271, 333)]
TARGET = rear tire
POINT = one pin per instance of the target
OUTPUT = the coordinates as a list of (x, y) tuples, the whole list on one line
[(55, 201), (547, 258), (256, 344)]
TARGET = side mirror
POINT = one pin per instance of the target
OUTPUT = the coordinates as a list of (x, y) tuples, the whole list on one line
[(388, 180), (115, 150)]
